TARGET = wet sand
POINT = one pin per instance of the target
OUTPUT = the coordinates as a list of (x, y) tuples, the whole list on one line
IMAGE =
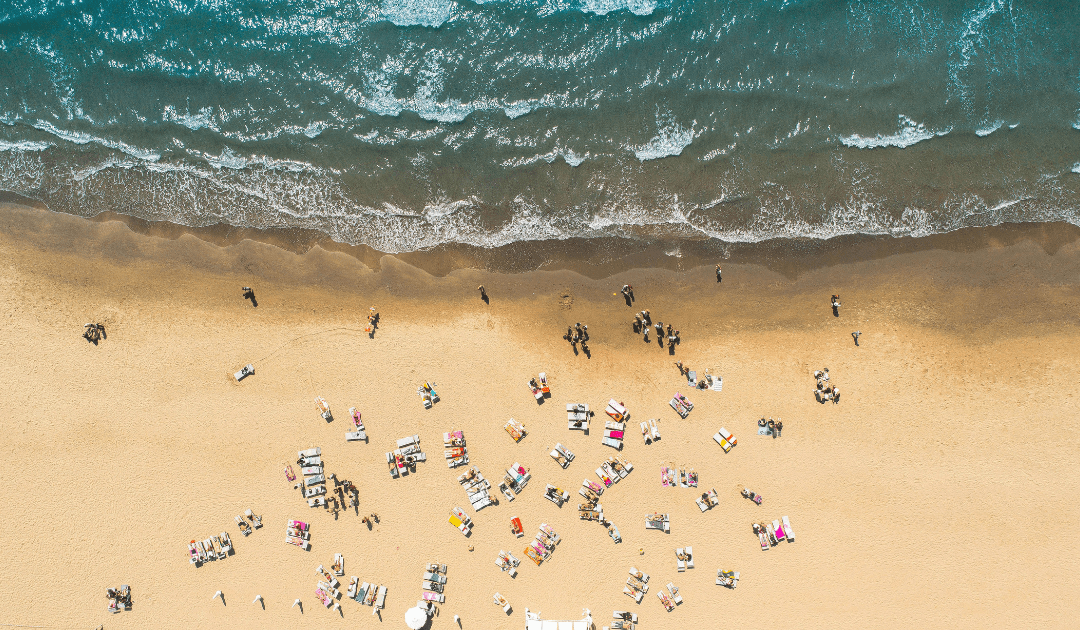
[(939, 492)]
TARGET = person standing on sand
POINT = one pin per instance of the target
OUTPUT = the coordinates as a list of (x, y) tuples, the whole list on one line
[(855, 335), (483, 293), (718, 274)]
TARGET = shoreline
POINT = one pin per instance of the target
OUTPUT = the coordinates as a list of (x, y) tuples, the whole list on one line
[(604, 257), (939, 478)]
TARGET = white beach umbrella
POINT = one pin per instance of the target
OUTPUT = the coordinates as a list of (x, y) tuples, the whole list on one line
[(257, 598), (297, 603), (415, 618), (217, 595)]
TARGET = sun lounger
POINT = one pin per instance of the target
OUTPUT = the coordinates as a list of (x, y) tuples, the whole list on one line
[(615, 477), (245, 528), (763, 538), (308, 471), (406, 441), (679, 409), (722, 441), (314, 460), (674, 590), (515, 429), (729, 579), (689, 557), (361, 592), (604, 476), (255, 520), (787, 529), (635, 595), (681, 563), (637, 584), (613, 443), (616, 410), (226, 544), (380, 599), (779, 529), (299, 542), (581, 407), (658, 521), (533, 555), (313, 480), (354, 436), (314, 491), (665, 600), (456, 522), (501, 602), (317, 502), (577, 425), (644, 577), (311, 452)]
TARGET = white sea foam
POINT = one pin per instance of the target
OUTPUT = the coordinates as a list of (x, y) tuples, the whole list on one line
[(910, 133), (81, 137), (986, 131), (193, 122), (432, 13), (517, 109), (671, 140), (24, 145), (1076, 168), (603, 7)]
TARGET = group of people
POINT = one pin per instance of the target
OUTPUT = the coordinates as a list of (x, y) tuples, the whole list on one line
[(825, 391), (94, 333), (643, 322), (578, 334)]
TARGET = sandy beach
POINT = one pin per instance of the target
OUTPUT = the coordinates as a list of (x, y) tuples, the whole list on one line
[(940, 492)]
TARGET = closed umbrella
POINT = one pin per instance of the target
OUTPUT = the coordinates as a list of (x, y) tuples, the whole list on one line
[(415, 618)]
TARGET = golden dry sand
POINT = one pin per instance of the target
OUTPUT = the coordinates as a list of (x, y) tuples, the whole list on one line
[(941, 492)]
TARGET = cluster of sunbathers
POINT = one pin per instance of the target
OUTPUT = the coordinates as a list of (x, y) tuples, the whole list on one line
[(119, 598), (94, 333)]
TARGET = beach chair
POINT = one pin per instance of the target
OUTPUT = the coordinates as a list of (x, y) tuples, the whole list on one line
[(380, 599), (457, 522), (604, 476), (535, 388), (515, 429), (317, 502), (613, 443), (787, 529), (689, 557), (654, 428), (311, 452), (244, 372), (674, 590), (678, 556), (578, 425), (501, 602), (771, 534), (314, 491), (226, 544), (614, 533), (606, 466), (635, 595), (309, 471), (729, 579), (245, 528), (299, 542), (559, 458), (533, 555), (219, 548), (637, 584), (425, 397), (314, 480), (544, 383), (779, 529), (763, 538), (355, 436), (314, 460), (193, 552), (723, 442), (643, 577), (616, 410), (679, 409), (324, 408)]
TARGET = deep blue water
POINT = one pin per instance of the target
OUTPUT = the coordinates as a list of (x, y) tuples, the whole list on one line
[(404, 124)]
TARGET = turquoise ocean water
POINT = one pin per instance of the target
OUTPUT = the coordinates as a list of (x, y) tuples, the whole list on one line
[(405, 124)]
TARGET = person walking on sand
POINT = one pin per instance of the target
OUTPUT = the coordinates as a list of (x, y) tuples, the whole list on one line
[(585, 332), (855, 335), (718, 273), (483, 293)]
